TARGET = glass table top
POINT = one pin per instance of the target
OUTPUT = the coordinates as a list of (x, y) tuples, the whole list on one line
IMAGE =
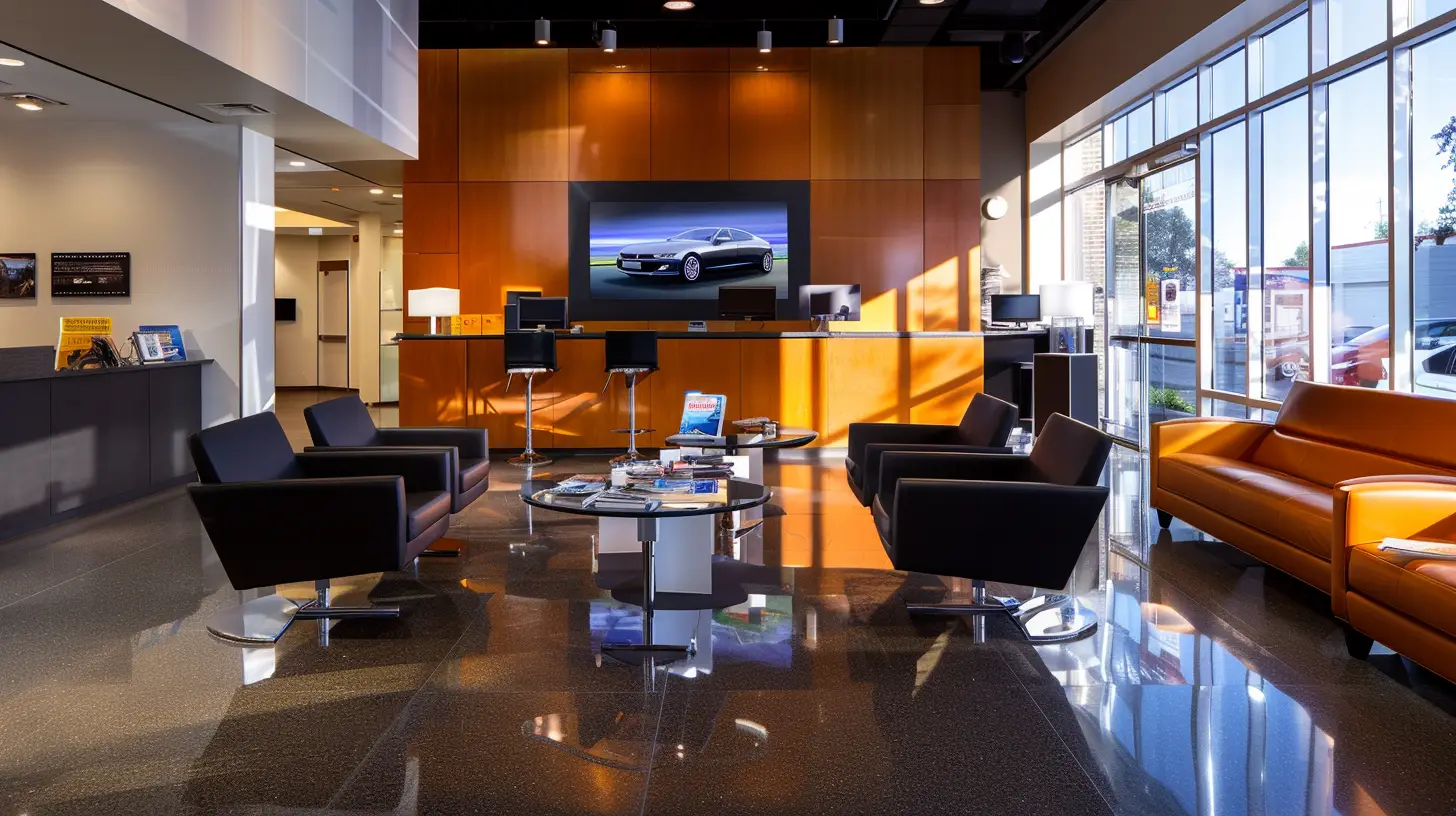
[(730, 495), (786, 438)]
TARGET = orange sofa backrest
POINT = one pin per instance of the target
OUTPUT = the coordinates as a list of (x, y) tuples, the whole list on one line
[(1329, 433)]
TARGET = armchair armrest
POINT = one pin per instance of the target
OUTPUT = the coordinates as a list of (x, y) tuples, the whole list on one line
[(931, 518), (875, 451), (421, 469), (473, 443), (991, 467), (865, 433), (1373, 508), (297, 529)]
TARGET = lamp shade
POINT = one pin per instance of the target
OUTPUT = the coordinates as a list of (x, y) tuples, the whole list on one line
[(1067, 299), (436, 302)]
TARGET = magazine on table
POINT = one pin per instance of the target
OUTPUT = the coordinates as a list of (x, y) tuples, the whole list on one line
[(703, 414), (616, 498), (1438, 550)]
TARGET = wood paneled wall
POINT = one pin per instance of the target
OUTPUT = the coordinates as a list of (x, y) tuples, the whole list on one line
[(888, 137)]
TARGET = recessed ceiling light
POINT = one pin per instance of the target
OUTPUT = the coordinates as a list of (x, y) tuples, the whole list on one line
[(399, 195), (297, 164), (399, 232), (678, 5), (376, 191), (931, 2), (30, 106), (10, 62)]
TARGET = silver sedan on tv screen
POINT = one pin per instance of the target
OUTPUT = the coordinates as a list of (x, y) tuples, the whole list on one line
[(692, 252)]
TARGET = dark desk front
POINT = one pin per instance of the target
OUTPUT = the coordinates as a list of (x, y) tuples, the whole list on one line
[(73, 443), (803, 379)]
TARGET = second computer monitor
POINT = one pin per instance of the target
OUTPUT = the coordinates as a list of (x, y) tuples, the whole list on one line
[(747, 302), (1015, 308), (538, 312), (830, 301)]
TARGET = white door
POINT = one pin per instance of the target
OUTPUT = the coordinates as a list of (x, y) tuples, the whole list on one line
[(333, 324)]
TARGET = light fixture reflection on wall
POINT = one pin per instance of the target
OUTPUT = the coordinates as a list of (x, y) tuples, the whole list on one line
[(765, 40), (543, 31), (995, 208), (609, 40), (11, 62), (678, 5), (836, 31)]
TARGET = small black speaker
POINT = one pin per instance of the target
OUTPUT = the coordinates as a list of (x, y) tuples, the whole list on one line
[(512, 318)]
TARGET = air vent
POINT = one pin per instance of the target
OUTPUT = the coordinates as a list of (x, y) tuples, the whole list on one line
[(236, 109)]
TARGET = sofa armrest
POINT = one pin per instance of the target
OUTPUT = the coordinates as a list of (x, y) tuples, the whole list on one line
[(990, 467), (1216, 436), (865, 433), (422, 469), (930, 518), (1373, 508), (875, 452), (473, 443)]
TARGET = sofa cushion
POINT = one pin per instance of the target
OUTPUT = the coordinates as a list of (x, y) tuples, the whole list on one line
[(1404, 427), (1327, 463), (424, 509), (1421, 588), (1280, 505), (473, 472)]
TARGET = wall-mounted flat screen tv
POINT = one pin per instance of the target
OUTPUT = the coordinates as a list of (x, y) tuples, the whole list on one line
[(285, 310), (661, 250)]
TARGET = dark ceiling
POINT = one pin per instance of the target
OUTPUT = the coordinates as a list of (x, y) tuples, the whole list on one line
[(727, 23)]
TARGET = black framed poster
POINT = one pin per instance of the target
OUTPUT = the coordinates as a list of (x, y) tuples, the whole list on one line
[(17, 275), (90, 274)]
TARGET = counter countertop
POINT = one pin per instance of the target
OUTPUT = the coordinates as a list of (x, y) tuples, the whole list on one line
[(748, 335), (8, 375)]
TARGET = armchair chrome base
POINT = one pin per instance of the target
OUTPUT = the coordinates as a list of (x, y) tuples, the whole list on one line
[(263, 621), (1049, 618), (444, 548), (529, 458)]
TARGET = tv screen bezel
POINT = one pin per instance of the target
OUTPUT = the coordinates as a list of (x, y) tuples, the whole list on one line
[(794, 195)]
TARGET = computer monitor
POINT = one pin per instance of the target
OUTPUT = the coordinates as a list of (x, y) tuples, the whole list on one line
[(830, 301), (512, 308), (534, 312), (1015, 308), (747, 302)]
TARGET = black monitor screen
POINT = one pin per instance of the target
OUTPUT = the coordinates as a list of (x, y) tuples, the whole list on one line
[(285, 309), (542, 311), (1015, 308), (836, 301), (747, 302)]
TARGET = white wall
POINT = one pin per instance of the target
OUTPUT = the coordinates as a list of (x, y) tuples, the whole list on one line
[(357, 60), (255, 169), (295, 270), (167, 193)]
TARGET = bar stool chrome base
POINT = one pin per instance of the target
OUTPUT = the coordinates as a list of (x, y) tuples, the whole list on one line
[(263, 621), (1047, 618), (529, 458), (632, 455)]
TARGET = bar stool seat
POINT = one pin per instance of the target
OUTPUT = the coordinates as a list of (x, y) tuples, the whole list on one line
[(633, 354), (529, 354)]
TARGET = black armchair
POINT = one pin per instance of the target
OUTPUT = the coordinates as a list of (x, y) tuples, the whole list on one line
[(345, 423), (983, 429), (1030, 515), (277, 517)]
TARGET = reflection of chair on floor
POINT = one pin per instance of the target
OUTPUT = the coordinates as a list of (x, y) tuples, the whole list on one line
[(994, 517), (276, 517)]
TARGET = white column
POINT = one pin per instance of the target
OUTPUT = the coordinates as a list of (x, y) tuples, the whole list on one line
[(255, 166), (364, 309)]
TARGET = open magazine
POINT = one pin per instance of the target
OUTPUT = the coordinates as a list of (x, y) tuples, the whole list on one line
[(703, 414), (1438, 550)]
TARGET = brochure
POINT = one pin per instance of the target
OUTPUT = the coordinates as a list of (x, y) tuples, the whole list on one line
[(78, 335), (1438, 550), (173, 350), (703, 414)]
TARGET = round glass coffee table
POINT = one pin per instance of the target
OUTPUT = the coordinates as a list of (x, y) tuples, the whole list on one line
[(734, 444), (731, 496)]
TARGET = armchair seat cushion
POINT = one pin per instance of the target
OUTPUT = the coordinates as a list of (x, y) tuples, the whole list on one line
[(1275, 503), (1421, 588), (473, 472), (423, 509)]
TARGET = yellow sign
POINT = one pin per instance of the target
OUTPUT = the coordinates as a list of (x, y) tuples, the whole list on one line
[(1152, 298), (76, 334)]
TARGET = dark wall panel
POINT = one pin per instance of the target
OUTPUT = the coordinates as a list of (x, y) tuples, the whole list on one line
[(100, 438), (176, 413), (25, 423)]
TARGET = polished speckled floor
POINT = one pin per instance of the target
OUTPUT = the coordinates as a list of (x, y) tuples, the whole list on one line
[(1214, 685)]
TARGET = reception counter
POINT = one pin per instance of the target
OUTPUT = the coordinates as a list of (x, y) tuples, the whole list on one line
[(818, 380)]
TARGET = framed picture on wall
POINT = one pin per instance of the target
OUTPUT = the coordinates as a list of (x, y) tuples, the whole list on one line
[(17, 275), (90, 274)]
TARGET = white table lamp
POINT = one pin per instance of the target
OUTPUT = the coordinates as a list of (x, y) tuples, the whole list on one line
[(434, 303), (1067, 305)]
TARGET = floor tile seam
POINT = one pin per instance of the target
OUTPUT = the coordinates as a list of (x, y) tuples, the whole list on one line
[(79, 576), (656, 732)]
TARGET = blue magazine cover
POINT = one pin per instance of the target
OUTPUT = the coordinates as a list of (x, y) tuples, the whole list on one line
[(703, 413), (172, 346)]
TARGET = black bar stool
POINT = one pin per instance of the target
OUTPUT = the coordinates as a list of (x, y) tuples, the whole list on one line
[(529, 354), (632, 354)]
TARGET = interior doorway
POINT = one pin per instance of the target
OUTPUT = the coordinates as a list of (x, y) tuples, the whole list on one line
[(333, 324)]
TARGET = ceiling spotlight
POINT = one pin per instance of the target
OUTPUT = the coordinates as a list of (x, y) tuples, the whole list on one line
[(1013, 48), (609, 40), (399, 195), (765, 39), (678, 5), (27, 105), (375, 191), (931, 2), (31, 102), (297, 164), (543, 31), (10, 62), (836, 31)]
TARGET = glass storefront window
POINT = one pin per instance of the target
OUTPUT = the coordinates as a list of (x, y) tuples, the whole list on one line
[(1177, 110), (1355, 25), (1140, 129), (1230, 240), (1114, 141), (1423, 10), (1286, 292), (1284, 55), (1433, 204), (1225, 81), (1170, 250), (1359, 229), (1082, 158)]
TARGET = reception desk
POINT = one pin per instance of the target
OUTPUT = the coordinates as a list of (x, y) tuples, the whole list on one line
[(817, 380)]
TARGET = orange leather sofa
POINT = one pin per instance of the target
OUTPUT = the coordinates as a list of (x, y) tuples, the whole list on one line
[(1314, 493)]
